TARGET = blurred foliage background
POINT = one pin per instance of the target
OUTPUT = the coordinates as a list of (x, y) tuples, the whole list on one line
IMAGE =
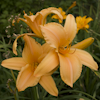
[(88, 85)]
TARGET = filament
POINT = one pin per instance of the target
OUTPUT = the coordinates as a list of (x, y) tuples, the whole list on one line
[(65, 50), (73, 51)]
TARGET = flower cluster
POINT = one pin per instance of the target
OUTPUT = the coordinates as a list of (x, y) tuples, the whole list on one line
[(38, 62)]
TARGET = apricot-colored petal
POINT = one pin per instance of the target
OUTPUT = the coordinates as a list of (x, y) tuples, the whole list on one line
[(70, 28), (76, 66), (54, 34), (49, 85), (86, 59), (15, 44), (46, 12), (22, 19), (66, 70), (47, 64), (52, 71), (28, 20), (58, 13), (46, 48), (15, 63), (84, 44), (33, 35), (32, 50), (33, 22), (70, 68), (37, 22), (26, 78)]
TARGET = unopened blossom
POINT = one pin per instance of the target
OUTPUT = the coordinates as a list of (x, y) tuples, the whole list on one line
[(73, 5)]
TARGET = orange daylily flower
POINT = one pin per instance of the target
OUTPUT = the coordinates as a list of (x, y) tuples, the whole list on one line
[(63, 13), (82, 22), (32, 55), (71, 58), (33, 21)]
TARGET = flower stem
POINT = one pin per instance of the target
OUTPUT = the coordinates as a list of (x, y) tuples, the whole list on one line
[(35, 93), (88, 71), (15, 94), (13, 76)]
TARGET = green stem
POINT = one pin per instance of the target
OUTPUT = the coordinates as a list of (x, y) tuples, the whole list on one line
[(99, 11), (94, 32), (15, 94), (76, 91), (87, 72), (13, 75), (35, 93)]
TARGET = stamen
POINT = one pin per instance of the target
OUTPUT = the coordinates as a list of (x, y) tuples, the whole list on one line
[(65, 50), (35, 65), (73, 52)]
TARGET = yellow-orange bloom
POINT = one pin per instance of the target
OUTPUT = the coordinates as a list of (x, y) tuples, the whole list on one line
[(70, 57), (32, 55), (33, 21), (82, 22), (63, 13)]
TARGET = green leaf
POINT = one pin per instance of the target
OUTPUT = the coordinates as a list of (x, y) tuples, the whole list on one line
[(97, 73), (98, 41), (97, 58)]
